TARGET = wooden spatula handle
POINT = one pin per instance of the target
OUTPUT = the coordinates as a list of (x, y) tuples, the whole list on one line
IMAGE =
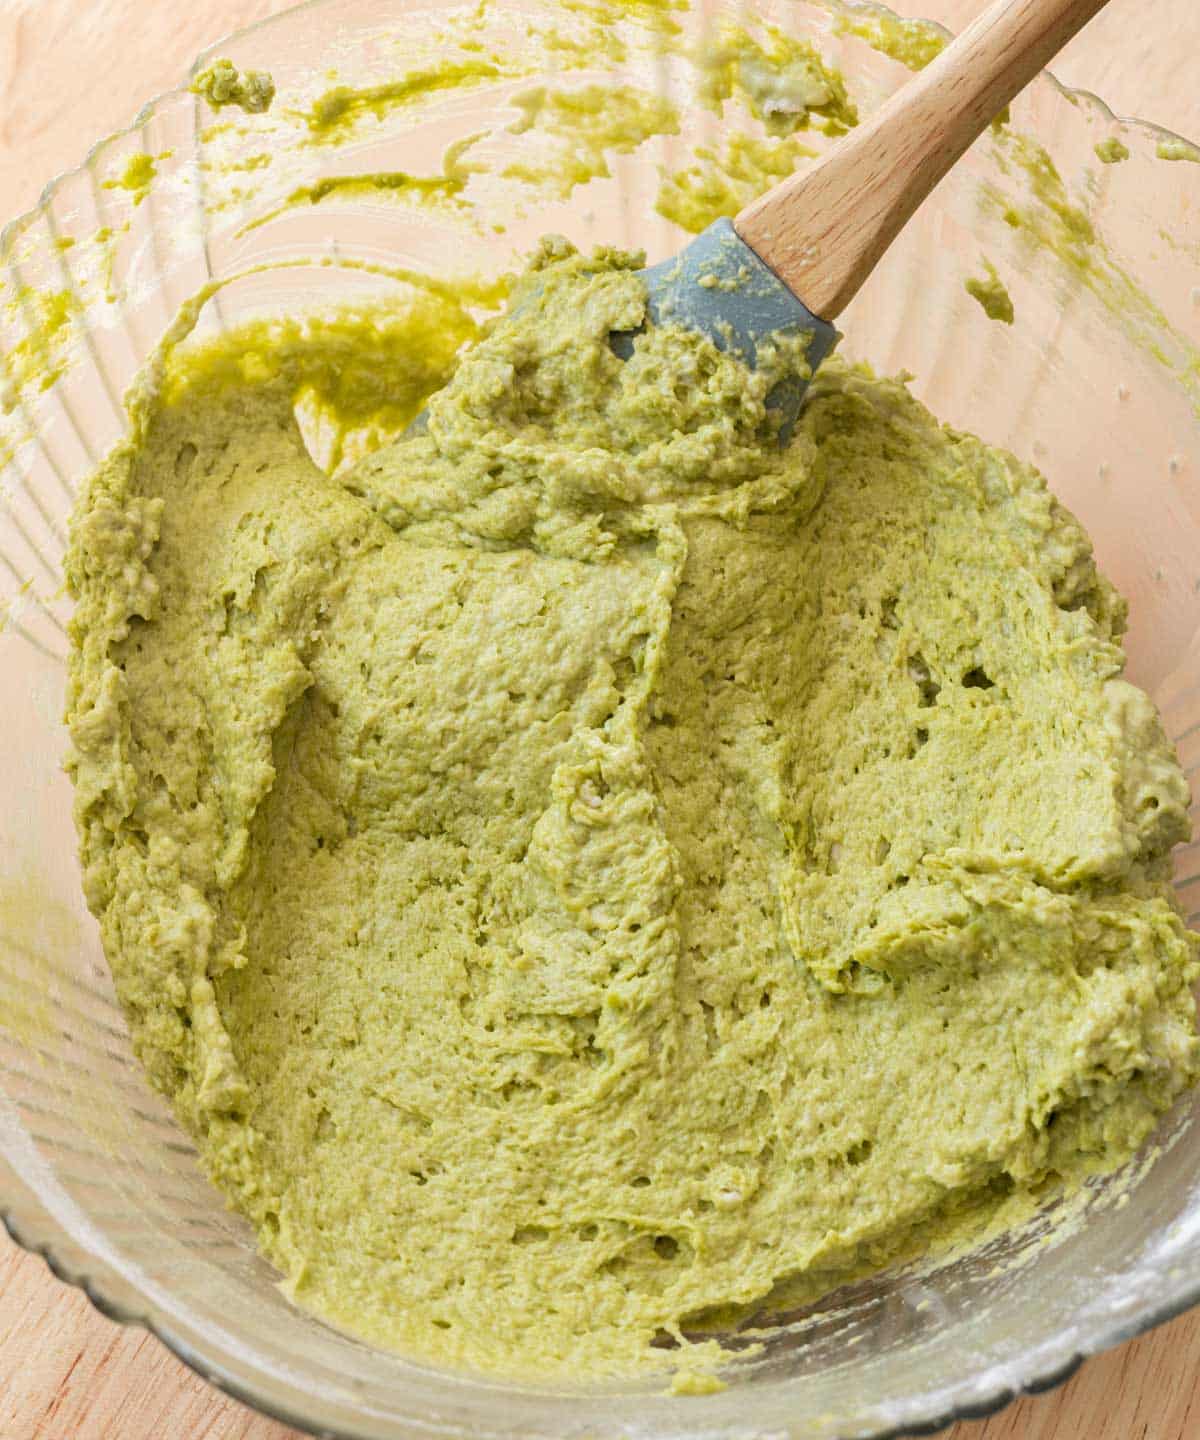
[(824, 230)]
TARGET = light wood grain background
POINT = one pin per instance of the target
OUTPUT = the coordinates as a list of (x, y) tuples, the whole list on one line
[(73, 70)]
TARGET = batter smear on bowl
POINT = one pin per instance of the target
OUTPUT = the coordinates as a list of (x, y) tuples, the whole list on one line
[(586, 870)]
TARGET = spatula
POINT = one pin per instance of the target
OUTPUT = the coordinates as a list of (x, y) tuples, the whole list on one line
[(792, 260)]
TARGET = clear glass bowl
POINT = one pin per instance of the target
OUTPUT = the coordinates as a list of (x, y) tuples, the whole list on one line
[(1097, 382)]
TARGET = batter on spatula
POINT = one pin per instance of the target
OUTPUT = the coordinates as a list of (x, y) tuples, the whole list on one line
[(587, 870)]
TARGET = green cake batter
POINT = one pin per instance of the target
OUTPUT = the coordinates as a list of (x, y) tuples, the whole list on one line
[(586, 872), (222, 83)]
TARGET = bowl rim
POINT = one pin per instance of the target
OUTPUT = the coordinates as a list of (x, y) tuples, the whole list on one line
[(21, 1228)]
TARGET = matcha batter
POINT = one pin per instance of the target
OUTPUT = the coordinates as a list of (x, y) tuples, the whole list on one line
[(222, 83), (586, 868), (992, 294)]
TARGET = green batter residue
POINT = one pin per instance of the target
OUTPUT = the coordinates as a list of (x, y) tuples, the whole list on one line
[(727, 177), (658, 16), (376, 186), (584, 872), (336, 113), (45, 322), (1176, 149), (912, 42), (222, 83), (1111, 151), (1058, 236), (137, 175), (781, 79), (579, 130), (992, 294), (442, 191)]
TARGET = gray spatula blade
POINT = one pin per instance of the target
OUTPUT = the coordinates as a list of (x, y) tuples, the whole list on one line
[(718, 286)]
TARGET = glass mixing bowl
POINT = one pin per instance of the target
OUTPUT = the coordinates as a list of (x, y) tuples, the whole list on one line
[(1096, 382)]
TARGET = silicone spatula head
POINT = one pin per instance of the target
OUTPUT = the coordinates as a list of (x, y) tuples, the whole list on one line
[(718, 286)]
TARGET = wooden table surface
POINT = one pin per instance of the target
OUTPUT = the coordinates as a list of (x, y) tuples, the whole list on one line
[(65, 1372)]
